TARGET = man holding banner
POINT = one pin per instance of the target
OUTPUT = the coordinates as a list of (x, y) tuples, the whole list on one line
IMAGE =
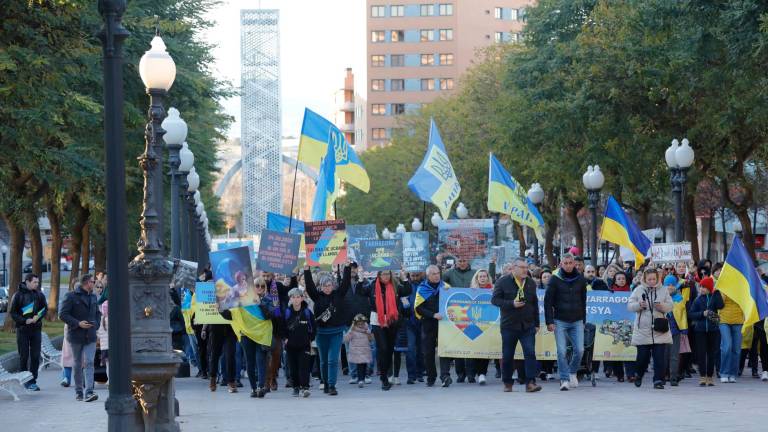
[(426, 307), (515, 295)]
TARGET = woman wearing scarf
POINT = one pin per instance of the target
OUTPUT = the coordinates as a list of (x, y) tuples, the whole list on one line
[(387, 313)]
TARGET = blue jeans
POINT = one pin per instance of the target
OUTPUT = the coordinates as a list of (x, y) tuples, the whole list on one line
[(190, 349), (255, 358), (414, 360), (573, 332), (730, 349), (66, 374), (329, 348), (509, 339), (84, 355)]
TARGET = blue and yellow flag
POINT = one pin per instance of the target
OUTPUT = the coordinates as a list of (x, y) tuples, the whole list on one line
[(317, 135), (619, 228), (435, 181), (28, 309), (507, 197), (250, 322), (278, 222), (327, 187), (423, 293), (741, 283)]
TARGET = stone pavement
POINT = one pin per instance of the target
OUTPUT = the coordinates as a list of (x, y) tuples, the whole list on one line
[(610, 406)]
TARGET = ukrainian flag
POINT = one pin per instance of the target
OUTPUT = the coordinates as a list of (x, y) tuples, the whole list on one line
[(327, 187), (507, 197), (317, 135), (423, 292), (250, 322), (278, 222), (435, 181), (739, 281), (621, 229), (28, 309)]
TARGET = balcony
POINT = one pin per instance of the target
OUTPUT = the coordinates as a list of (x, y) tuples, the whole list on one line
[(347, 106), (347, 127)]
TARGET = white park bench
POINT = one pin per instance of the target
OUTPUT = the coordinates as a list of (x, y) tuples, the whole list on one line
[(8, 380), (49, 355)]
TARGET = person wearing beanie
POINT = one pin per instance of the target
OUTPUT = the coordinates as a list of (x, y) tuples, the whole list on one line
[(705, 321), (678, 323)]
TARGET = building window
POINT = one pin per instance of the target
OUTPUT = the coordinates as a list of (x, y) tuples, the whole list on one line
[(514, 15), (377, 85), (378, 11), (498, 37), (427, 10), (377, 36), (446, 34), (398, 109), (378, 109), (427, 59), (446, 59), (497, 13), (427, 84), (377, 60), (397, 60), (514, 37), (397, 10), (446, 83), (398, 84), (397, 36), (427, 35), (379, 133), (446, 9)]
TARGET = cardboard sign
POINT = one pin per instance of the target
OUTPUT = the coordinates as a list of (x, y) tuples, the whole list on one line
[(278, 252), (326, 243), (207, 311), (470, 239), (671, 252), (355, 233), (233, 278), (416, 251), (377, 255)]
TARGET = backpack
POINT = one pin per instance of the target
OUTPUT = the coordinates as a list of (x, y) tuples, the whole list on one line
[(289, 312)]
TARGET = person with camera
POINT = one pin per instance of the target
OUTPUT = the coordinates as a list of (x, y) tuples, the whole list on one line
[(515, 295), (80, 311), (331, 321), (28, 307), (706, 325), (651, 333)]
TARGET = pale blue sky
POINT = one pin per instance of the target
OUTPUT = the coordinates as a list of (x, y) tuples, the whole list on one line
[(318, 40)]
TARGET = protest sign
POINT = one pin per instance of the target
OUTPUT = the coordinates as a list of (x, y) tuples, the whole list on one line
[(613, 325), (377, 255), (207, 311), (233, 277), (355, 233), (671, 252), (278, 252), (470, 327), (326, 243), (416, 251), (469, 239)]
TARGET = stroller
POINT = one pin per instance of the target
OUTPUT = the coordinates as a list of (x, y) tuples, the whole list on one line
[(585, 370)]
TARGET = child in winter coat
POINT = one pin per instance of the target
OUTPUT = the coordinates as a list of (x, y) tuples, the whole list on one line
[(359, 339), (299, 325)]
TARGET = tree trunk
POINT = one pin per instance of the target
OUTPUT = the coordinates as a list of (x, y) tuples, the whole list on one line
[(572, 213), (690, 226), (15, 252), (549, 245), (521, 236), (644, 216), (85, 254), (76, 244), (56, 242), (710, 233), (99, 251), (746, 230), (36, 243)]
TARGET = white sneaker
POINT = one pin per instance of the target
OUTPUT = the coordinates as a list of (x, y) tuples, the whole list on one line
[(764, 376), (481, 379), (731, 379), (353, 380), (563, 385), (321, 386), (395, 381), (724, 379), (550, 377), (367, 380), (574, 382), (514, 375)]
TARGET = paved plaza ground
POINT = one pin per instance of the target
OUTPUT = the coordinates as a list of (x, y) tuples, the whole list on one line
[(610, 406)]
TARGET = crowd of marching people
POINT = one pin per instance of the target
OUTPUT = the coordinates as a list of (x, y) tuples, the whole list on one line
[(316, 325)]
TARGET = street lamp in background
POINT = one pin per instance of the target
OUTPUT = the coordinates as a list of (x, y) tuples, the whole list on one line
[(536, 195), (186, 162), (593, 181), (416, 225), (461, 211), (193, 195), (175, 136), (400, 229), (679, 158), (386, 234)]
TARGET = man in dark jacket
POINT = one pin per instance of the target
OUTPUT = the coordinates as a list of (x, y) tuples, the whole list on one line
[(28, 307), (81, 313), (515, 295), (565, 305), (414, 359), (460, 276), (427, 307), (594, 283)]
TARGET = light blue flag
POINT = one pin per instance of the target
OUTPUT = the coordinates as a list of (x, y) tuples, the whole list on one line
[(435, 181), (278, 222), (327, 186)]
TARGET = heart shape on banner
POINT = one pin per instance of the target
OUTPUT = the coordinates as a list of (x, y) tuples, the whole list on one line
[(471, 315)]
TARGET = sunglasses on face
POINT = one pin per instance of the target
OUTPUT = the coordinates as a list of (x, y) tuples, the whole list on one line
[(261, 286)]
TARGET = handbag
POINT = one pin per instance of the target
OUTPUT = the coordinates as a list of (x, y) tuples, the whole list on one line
[(713, 318), (660, 325), (326, 315)]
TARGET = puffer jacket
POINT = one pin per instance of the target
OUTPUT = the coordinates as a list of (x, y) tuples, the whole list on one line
[(80, 305), (25, 304), (359, 345), (566, 297), (642, 330), (710, 302)]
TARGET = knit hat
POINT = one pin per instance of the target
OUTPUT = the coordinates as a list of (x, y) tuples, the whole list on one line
[(708, 283), (670, 280)]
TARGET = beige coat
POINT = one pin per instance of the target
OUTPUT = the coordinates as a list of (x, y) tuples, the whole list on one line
[(642, 330)]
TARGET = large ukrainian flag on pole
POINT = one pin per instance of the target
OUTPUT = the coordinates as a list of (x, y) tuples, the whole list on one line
[(621, 229), (507, 197), (317, 134), (739, 281), (435, 181), (327, 187)]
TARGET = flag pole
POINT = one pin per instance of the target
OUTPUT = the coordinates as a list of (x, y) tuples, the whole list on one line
[(293, 192)]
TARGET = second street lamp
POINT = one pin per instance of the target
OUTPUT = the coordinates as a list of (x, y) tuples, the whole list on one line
[(679, 158), (593, 181), (536, 195), (186, 161), (175, 134)]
